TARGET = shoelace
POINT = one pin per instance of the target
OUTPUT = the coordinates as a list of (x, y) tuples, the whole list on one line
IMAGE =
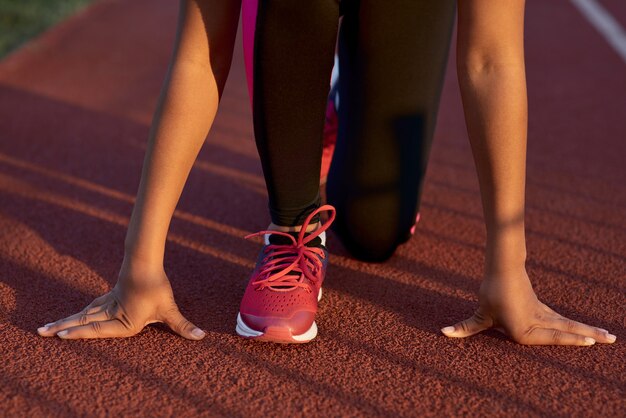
[(286, 266)]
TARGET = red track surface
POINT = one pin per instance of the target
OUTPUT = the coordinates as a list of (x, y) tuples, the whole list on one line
[(75, 108)]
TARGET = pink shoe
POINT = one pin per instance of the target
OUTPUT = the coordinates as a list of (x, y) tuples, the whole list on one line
[(280, 302)]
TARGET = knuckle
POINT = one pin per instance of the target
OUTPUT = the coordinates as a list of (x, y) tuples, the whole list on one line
[(182, 324), (463, 326), (570, 325), (479, 318), (96, 328), (82, 319), (557, 336), (538, 317), (126, 322), (523, 337), (483, 320)]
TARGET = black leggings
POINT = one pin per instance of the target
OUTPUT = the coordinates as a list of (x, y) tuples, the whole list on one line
[(392, 56)]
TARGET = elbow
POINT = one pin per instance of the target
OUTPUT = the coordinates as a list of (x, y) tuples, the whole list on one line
[(474, 69), (487, 65)]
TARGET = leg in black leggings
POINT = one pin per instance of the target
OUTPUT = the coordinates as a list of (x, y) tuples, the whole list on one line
[(392, 61), (393, 55), (294, 53)]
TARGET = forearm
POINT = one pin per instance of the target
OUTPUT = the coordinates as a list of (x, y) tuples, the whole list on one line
[(494, 99), (184, 115), (181, 123), (491, 72)]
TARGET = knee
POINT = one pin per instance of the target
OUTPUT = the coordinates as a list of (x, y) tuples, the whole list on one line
[(369, 239)]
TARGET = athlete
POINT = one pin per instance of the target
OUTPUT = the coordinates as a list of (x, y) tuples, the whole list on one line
[(281, 300), (392, 57)]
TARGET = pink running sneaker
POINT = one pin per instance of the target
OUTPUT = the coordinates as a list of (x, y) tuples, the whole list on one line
[(280, 302)]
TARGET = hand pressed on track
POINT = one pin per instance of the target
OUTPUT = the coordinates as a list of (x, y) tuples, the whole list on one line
[(511, 306), (124, 312)]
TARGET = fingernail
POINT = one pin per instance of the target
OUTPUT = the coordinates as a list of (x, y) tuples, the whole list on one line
[(447, 330), (62, 333), (49, 325), (611, 338), (603, 330), (42, 329), (589, 341), (197, 332)]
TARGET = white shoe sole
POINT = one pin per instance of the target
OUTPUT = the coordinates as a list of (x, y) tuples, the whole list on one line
[(283, 337)]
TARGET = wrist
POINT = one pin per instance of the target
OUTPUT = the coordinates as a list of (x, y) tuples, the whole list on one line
[(140, 270), (144, 243), (505, 253), (143, 253)]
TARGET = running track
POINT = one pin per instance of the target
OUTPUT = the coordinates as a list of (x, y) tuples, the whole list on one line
[(75, 107)]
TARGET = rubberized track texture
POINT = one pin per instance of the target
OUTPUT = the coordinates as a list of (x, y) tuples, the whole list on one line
[(75, 109)]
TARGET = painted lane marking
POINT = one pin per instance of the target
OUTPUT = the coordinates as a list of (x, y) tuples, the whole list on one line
[(604, 23)]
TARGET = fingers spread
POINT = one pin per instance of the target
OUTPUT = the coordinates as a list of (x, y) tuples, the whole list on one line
[(180, 325), (473, 325), (547, 336), (78, 319), (81, 318), (99, 304), (99, 329), (574, 327)]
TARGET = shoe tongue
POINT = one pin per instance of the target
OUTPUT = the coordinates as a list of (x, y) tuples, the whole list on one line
[(283, 240)]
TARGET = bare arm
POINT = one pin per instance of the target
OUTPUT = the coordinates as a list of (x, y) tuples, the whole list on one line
[(185, 113), (491, 73), (490, 68)]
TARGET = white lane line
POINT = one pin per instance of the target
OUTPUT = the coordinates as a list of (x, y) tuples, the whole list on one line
[(604, 23)]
